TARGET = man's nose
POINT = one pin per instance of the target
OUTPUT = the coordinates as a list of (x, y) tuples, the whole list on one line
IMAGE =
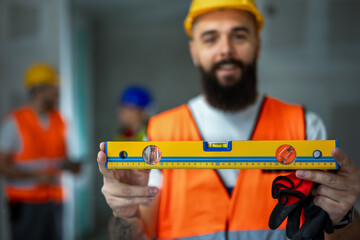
[(226, 48)]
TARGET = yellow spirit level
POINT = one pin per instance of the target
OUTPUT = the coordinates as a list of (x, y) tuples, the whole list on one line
[(232, 154)]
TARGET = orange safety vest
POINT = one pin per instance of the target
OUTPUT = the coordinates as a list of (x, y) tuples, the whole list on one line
[(194, 203), (42, 150)]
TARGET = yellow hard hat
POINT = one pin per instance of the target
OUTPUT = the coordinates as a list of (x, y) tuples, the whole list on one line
[(40, 73), (199, 7)]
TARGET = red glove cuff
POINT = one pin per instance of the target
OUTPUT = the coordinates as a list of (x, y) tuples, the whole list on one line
[(290, 189)]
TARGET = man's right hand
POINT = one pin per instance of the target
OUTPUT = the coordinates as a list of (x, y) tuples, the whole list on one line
[(125, 190)]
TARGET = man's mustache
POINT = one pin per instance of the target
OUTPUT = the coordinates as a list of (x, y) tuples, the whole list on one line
[(237, 63)]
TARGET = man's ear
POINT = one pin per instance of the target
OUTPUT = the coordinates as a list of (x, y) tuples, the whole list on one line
[(193, 52)]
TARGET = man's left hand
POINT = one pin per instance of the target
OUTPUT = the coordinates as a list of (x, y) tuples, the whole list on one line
[(338, 191)]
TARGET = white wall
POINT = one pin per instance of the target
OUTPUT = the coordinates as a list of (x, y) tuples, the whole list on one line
[(41, 30), (311, 54), (28, 33)]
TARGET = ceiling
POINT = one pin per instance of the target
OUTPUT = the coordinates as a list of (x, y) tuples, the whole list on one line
[(144, 8)]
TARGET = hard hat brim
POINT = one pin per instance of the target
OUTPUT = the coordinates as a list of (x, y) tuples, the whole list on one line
[(189, 20)]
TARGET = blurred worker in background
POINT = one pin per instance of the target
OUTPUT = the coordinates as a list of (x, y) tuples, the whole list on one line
[(134, 104), (224, 204), (32, 155)]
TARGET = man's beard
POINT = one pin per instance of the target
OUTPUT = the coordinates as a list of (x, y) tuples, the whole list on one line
[(50, 105), (232, 98)]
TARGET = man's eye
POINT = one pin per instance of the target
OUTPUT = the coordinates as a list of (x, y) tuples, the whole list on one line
[(239, 36), (210, 40)]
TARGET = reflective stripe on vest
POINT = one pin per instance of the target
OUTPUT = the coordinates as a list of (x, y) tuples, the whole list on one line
[(258, 235), (195, 202), (39, 165), (241, 235), (29, 184), (42, 151)]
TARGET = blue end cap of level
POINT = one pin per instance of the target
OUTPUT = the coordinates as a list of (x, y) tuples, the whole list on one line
[(106, 164), (208, 149), (336, 145)]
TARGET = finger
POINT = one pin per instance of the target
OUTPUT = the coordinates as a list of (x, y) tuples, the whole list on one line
[(136, 177), (324, 178), (336, 210), (345, 163), (101, 159), (102, 146), (116, 203), (123, 190), (335, 195)]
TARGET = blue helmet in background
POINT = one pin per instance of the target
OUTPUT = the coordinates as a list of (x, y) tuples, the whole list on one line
[(135, 96)]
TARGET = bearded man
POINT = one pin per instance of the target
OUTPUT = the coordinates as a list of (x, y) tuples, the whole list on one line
[(223, 204)]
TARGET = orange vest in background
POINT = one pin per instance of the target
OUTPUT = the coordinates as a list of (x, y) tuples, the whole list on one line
[(41, 150), (195, 203)]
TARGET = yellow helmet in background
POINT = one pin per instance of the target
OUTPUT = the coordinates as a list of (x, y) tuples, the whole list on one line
[(40, 73), (199, 7)]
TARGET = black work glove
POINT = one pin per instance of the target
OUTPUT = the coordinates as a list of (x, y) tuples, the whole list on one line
[(316, 221), (292, 194)]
